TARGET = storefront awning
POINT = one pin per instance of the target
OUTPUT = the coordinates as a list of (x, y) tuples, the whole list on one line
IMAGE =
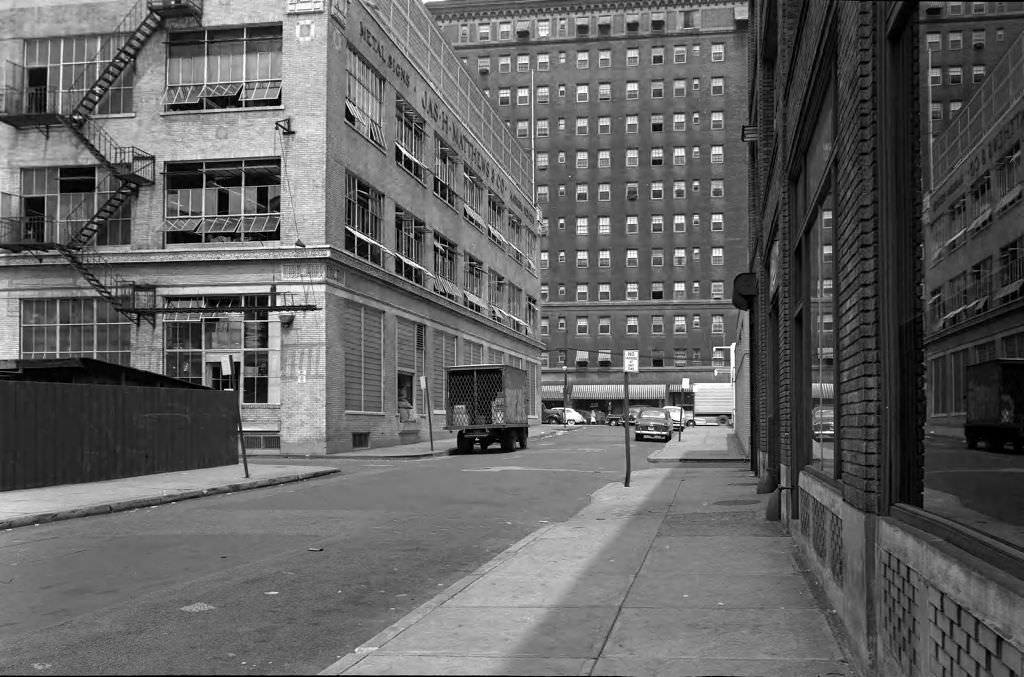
[(597, 391), (647, 391), (551, 392), (678, 388)]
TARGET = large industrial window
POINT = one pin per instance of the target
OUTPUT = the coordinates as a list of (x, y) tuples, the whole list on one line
[(222, 339), (409, 139), (445, 171), (55, 66), (58, 201), (223, 68), (410, 354), (363, 340), (446, 256), (408, 257), (364, 98), (224, 201), (87, 327), (364, 211)]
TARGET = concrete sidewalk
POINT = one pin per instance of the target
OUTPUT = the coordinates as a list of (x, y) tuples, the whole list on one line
[(677, 574), (66, 501), (701, 444)]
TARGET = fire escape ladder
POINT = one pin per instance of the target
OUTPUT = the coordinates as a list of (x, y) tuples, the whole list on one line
[(100, 276), (84, 235)]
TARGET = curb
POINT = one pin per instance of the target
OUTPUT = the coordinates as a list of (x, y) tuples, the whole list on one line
[(729, 459), (414, 616), (147, 501)]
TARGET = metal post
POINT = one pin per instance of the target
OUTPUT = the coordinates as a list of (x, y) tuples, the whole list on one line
[(625, 422), (565, 394), (430, 414)]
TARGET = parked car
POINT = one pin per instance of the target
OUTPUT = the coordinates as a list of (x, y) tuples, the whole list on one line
[(677, 415), (823, 424), (632, 414), (566, 415), (653, 423)]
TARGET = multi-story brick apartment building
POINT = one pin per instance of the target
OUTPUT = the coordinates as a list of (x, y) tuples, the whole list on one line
[(294, 196), (836, 160), (974, 240), (962, 42), (633, 115)]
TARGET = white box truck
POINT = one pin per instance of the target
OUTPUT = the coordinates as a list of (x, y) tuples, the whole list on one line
[(712, 404)]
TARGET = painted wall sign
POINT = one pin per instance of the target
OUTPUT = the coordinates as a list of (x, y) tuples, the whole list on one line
[(390, 60)]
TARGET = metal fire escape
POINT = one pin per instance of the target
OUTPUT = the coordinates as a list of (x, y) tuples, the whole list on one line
[(23, 106)]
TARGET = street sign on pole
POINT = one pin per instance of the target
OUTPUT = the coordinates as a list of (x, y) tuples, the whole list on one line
[(631, 361)]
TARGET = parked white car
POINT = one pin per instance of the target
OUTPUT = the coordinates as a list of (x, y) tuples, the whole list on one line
[(566, 415)]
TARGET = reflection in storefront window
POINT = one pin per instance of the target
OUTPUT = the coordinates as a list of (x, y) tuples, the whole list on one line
[(821, 346)]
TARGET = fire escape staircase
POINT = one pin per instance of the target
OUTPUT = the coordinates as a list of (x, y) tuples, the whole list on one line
[(129, 166)]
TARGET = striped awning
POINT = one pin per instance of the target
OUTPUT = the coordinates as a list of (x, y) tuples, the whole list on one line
[(551, 392), (647, 391), (822, 391), (678, 388), (597, 391)]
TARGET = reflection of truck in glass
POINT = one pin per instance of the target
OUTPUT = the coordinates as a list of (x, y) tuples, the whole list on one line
[(487, 404), (994, 400), (712, 404)]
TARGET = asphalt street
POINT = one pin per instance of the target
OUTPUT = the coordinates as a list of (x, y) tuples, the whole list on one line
[(282, 580)]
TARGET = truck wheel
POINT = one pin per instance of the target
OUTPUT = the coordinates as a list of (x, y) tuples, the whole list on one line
[(523, 435), (508, 440), (722, 420), (465, 444), (553, 420), (636, 437), (690, 423)]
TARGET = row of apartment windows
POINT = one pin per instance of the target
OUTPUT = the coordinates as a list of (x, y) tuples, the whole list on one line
[(560, 27), (657, 191), (955, 39), (955, 75), (604, 91), (957, 8), (632, 324), (941, 109), (632, 224), (481, 207), (604, 257), (524, 62), (206, 70), (464, 282), (582, 126), (632, 291), (631, 158), (681, 357), (991, 282)]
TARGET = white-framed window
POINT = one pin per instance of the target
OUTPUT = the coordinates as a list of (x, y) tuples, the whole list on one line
[(582, 192), (582, 93), (582, 60), (717, 155), (522, 129), (544, 261), (717, 290), (717, 188), (505, 63), (657, 324), (582, 259), (679, 87), (543, 194), (582, 327), (977, 74), (543, 61), (717, 256), (604, 291), (679, 122), (364, 101), (695, 119), (679, 256), (679, 190), (632, 90), (695, 254), (582, 126), (523, 96), (504, 30), (483, 32), (483, 64), (679, 324), (604, 125), (504, 96), (679, 223), (954, 75), (543, 28), (604, 325), (582, 225), (695, 152), (657, 291), (657, 157), (717, 324), (604, 258), (604, 91), (604, 158), (632, 258), (632, 157), (632, 192), (717, 119), (679, 155), (632, 291), (582, 291), (678, 291), (657, 56), (657, 122), (604, 58), (679, 54), (657, 258), (978, 38), (545, 326), (695, 85), (632, 124), (718, 51), (604, 192), (657, 223), (695, 186), (542, 128), (657, 190), (633, 56), (717, 86), (582, 159), (657, 89), (632, 324), (604, 225), (717, 222), (955, 40), (632, 224), (523, 63), (543, 94), (695, 220)]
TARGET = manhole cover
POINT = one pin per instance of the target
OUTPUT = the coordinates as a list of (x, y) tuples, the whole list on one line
[(738, 502)]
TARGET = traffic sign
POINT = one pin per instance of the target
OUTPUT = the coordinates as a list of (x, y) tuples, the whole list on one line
[(631, 360)]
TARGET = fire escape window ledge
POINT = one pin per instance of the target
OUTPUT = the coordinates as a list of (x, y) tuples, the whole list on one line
[(215, 111)]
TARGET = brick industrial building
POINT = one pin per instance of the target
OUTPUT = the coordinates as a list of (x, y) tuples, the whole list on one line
[(311, 196), (837, 163), (633, 113)]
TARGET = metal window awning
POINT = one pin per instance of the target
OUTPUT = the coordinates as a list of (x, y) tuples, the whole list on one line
[(221, 89), (263, 90), (474, 299), (446, 287), (182, 94), (182, 225), (220, 224), (1009, 289), (264, 223)]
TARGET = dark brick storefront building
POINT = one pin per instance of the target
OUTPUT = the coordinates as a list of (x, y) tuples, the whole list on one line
[(837, 343)]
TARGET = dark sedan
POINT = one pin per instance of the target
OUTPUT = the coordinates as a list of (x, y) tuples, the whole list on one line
[(653, 423)]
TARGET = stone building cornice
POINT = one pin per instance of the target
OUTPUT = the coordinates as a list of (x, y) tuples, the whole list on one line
[(460, 10)]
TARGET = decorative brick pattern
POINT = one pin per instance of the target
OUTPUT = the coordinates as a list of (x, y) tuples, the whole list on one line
[(835, 546), (960, 644), (823, 529), (900, 592)]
